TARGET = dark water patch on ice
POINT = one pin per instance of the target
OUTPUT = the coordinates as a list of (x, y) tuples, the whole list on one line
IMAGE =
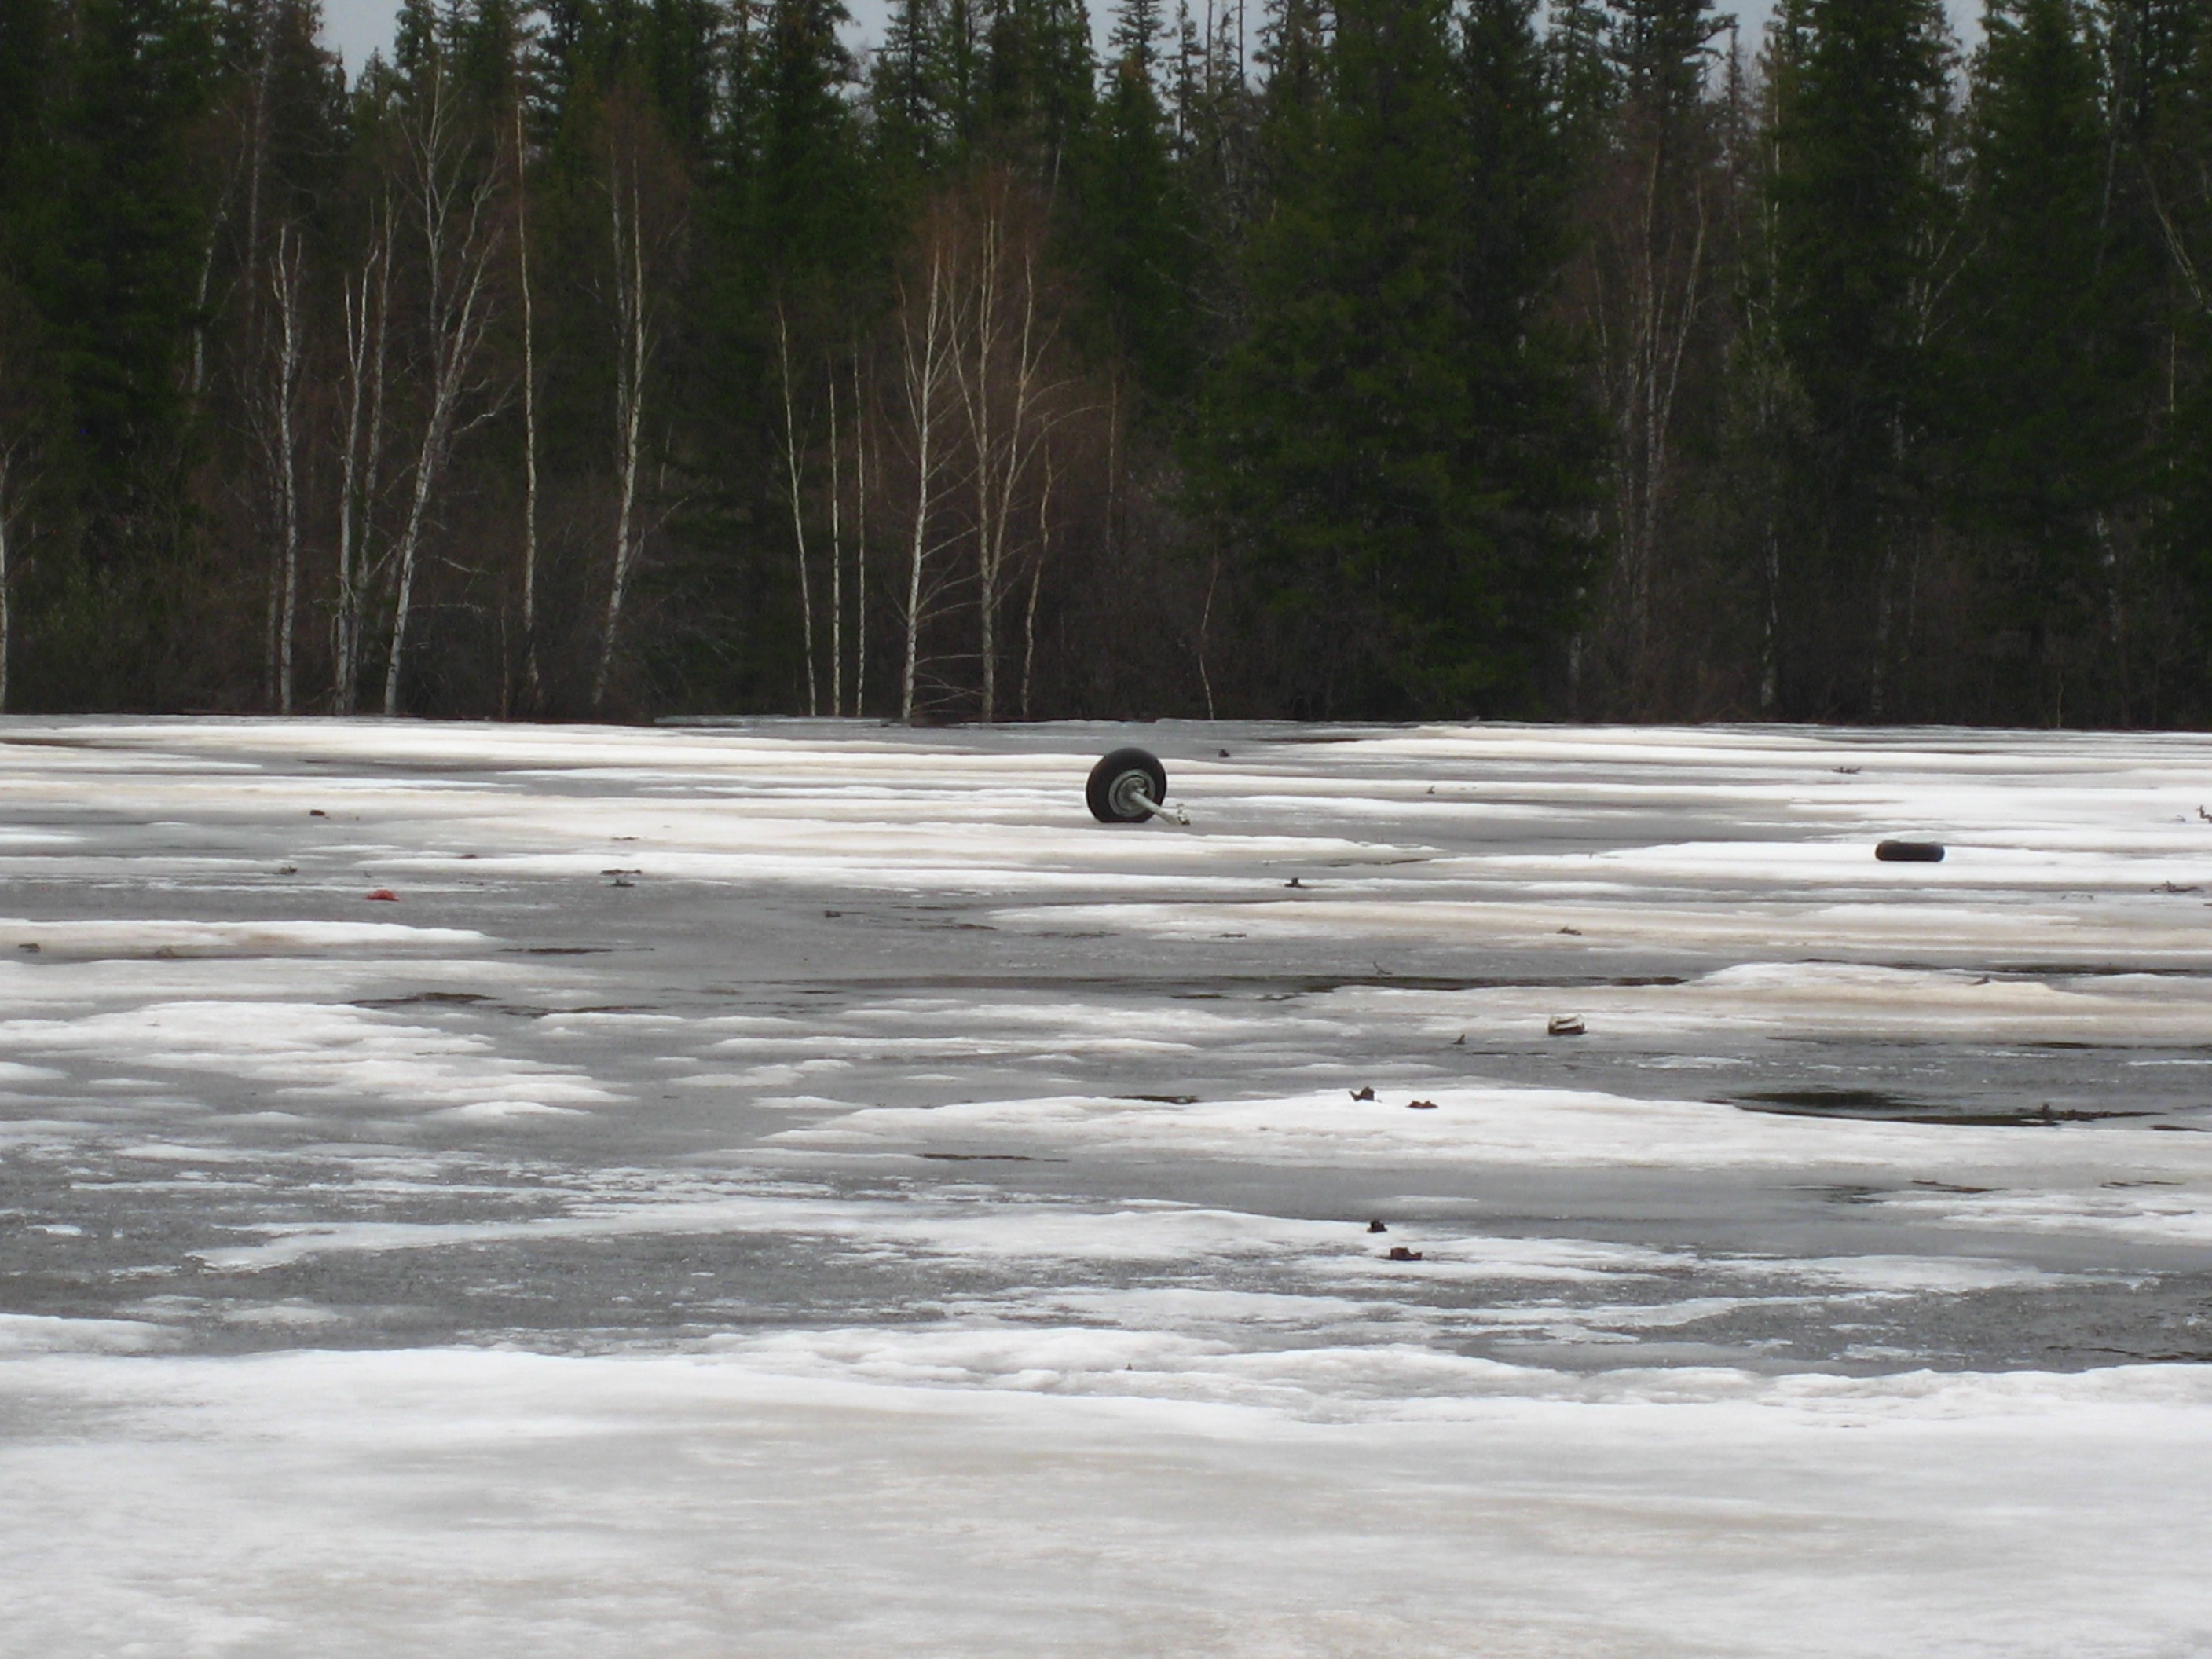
[(1875, 1106), (423, 997), (1214, 985)]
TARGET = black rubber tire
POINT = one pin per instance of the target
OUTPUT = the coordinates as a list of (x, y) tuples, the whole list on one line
[(1909, 852), (1107, 793)]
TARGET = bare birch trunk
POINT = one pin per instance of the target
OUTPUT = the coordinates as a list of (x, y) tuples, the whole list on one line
[(1037, 583), (1008, 362), (859, 541), (791, 481), (976, 392), (629, 399), (287, 274), (1664, 299), (837, 560), (368, 312), (460, 235), (923, 370), (532, 692)]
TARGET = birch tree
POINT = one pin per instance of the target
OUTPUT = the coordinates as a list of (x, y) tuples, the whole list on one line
[(367, 300), (927, 338), (1648, 276), (645, 229), (795, 494), (454, 203), (278, 416), (859, 538), (837, 554), (1002, 370), (533, 690)]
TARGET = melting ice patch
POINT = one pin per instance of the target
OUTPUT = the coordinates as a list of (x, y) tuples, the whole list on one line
[(315, 1052)]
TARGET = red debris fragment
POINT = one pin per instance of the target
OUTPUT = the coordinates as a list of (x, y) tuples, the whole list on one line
[(1420, 1105), (386, 893), (1399, 1253)]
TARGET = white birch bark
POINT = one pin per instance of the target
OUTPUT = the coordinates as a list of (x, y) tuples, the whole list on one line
[(859, 541), (925, 344), (532, 690), (367, 315), (1001, 380), (836, 559), (793, 490), (1037, 584), (634, 317), (286, 278), (460, 235)]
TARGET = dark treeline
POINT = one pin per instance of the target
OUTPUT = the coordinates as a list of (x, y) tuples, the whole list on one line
[(1357, 357)]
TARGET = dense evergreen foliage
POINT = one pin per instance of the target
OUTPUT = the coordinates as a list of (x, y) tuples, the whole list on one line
[(1355, 357)]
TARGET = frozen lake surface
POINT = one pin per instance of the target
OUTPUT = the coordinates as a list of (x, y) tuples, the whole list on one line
[(805, 1188)]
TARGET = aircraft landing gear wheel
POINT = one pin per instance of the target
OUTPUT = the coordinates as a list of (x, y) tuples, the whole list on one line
[(1127, 787)]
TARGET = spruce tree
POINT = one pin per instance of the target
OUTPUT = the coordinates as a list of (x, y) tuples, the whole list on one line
[(1131, 235), (1372, 446), (1857, 212), (116, 285), (2044, 379)]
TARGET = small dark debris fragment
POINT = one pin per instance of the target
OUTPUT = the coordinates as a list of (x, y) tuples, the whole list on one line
[(2172, 887), (1565, 1025), (1909, 852), (1363, 1094), (1432, 789), (1460, 1041), (1420, 1105), (1848, 771), (1377, 1227), (1224, 754), (622, 872), (32, 949), (1576, 931), (1294, 882), (317, 812), (1399, 1253), (2206, 815), (386, 894), (288, 869), (832, 915)]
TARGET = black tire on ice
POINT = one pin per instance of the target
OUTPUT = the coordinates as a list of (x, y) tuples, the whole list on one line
[(1909, 852), (1116, 782)]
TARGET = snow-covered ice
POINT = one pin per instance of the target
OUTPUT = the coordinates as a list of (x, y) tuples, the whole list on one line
[(803, 1187)]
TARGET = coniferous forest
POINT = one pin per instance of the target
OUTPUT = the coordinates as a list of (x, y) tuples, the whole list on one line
[(1388, 358)]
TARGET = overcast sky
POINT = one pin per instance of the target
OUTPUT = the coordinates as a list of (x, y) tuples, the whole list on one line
[(357, 27)]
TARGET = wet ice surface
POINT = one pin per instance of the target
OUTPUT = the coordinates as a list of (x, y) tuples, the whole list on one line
[(711, 1100)]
